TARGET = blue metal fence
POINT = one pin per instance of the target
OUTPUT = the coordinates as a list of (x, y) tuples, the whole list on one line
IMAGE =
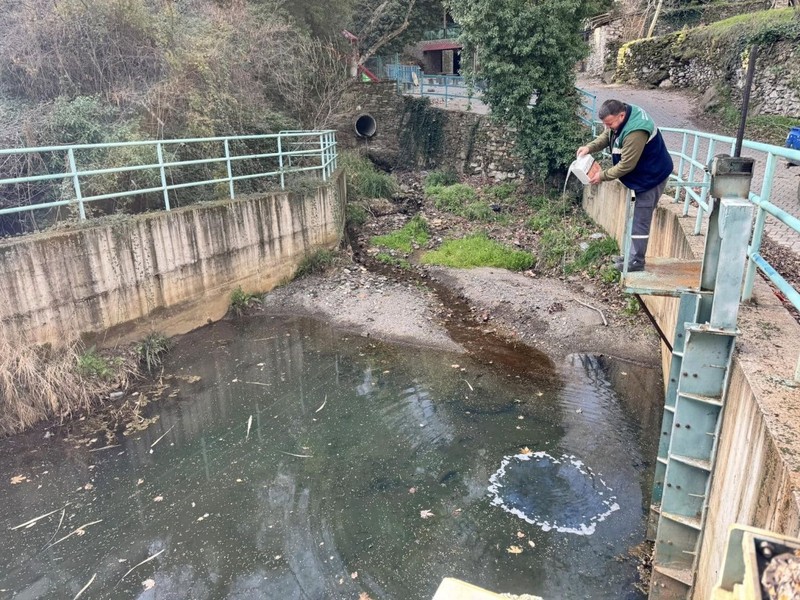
[(693, 181), (274, 156)]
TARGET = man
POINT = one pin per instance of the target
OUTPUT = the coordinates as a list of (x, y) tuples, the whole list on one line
[(640, 161)]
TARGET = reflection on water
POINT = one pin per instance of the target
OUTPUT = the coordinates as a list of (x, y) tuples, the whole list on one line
[(349, 442)]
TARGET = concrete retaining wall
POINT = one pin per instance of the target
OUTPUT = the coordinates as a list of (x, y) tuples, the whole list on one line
[(757, 479), (167, 271)]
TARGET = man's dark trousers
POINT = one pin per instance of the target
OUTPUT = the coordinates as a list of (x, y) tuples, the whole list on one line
[(646, 203)]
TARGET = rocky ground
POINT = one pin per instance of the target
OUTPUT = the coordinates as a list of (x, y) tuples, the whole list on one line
[(466, 309)]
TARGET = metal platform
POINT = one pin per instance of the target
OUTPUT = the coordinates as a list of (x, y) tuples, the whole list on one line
[(664, 277)]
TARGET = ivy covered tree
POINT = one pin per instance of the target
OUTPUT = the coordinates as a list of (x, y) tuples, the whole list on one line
[(526, 52)]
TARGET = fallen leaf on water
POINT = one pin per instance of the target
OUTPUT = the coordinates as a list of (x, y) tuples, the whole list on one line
[(341, 580), (148, 584), (426, 514), (521, 417), (455, 366), (140, 482), (412, 490), (18, 479), (520, 535), (88, 486), (526, 451), (364, 596), (158, 498), (514, 550), (531, 544), (354, 575)]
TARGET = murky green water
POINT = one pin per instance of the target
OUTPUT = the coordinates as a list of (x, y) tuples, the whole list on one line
[(349, 442)]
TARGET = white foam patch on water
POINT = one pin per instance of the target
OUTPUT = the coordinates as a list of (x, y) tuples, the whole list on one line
[(585, 528)]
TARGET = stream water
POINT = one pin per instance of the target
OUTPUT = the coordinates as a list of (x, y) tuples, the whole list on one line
[(290, 460)]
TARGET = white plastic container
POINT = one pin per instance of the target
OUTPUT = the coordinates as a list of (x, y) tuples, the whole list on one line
[(583, 168)]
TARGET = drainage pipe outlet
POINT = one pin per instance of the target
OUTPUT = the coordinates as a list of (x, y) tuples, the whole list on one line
[(365, 125)]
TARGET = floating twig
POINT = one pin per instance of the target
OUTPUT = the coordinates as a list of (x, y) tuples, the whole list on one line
[(249, 424), (471, 389), (297, 455), (78, 530), (602, 316), (139, 565), (161, 438), (104, 448), (40, 517), (257, 383), (61, 520), (83, 589), (321, 406)]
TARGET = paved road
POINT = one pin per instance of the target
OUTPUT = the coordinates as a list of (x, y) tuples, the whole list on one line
[(676, 108)]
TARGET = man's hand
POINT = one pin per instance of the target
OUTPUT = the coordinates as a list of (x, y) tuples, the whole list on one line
[(582, 151), (596, 178)]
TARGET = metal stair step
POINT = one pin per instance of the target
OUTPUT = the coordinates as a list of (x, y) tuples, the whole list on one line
[(697, 463), (693, 522)]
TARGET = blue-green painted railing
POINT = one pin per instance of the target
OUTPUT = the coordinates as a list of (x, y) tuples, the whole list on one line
[(294, 152), (693, 181)]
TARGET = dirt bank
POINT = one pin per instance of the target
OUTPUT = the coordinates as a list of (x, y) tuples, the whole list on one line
[(464, 310)]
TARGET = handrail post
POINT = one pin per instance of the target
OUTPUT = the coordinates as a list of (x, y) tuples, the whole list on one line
[(280, 162), (160, 154), (322, 156), (445, 91), (678, 188), (758, 228), (76, 183), (228, 164), (687, 196)]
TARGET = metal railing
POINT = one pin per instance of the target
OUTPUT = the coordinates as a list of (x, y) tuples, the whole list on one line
[(260, 156), (588, 110), (693, 181)]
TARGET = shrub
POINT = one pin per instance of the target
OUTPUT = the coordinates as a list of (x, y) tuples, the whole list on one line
[(478, 251), (151, 350), (413, 232), (91, 364), (241, 301), (355, 214), (316, 262), (502, 192)]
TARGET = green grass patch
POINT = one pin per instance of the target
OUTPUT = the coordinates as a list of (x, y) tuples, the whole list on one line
[(413, 232), (316, 262), (597, 252), (502, 192), (441, 178), (388, 259), (478, 251), (364, 180), (478, 211), (452, 198)]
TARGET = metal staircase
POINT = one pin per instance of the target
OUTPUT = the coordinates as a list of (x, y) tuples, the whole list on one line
[(702, 351)]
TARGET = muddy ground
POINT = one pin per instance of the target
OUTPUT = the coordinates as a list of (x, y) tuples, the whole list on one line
[(467, 310)]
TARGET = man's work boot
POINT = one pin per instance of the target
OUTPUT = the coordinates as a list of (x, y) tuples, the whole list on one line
[(634, 265)]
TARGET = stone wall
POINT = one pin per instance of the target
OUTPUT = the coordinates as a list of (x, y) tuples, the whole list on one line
[(167, 271), (704, 58), (472, 144)]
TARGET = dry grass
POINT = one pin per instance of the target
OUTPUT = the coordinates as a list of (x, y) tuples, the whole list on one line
[(39, 383)]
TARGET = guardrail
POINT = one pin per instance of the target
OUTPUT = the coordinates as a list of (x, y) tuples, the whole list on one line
[(75, 175), (694, 181)]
